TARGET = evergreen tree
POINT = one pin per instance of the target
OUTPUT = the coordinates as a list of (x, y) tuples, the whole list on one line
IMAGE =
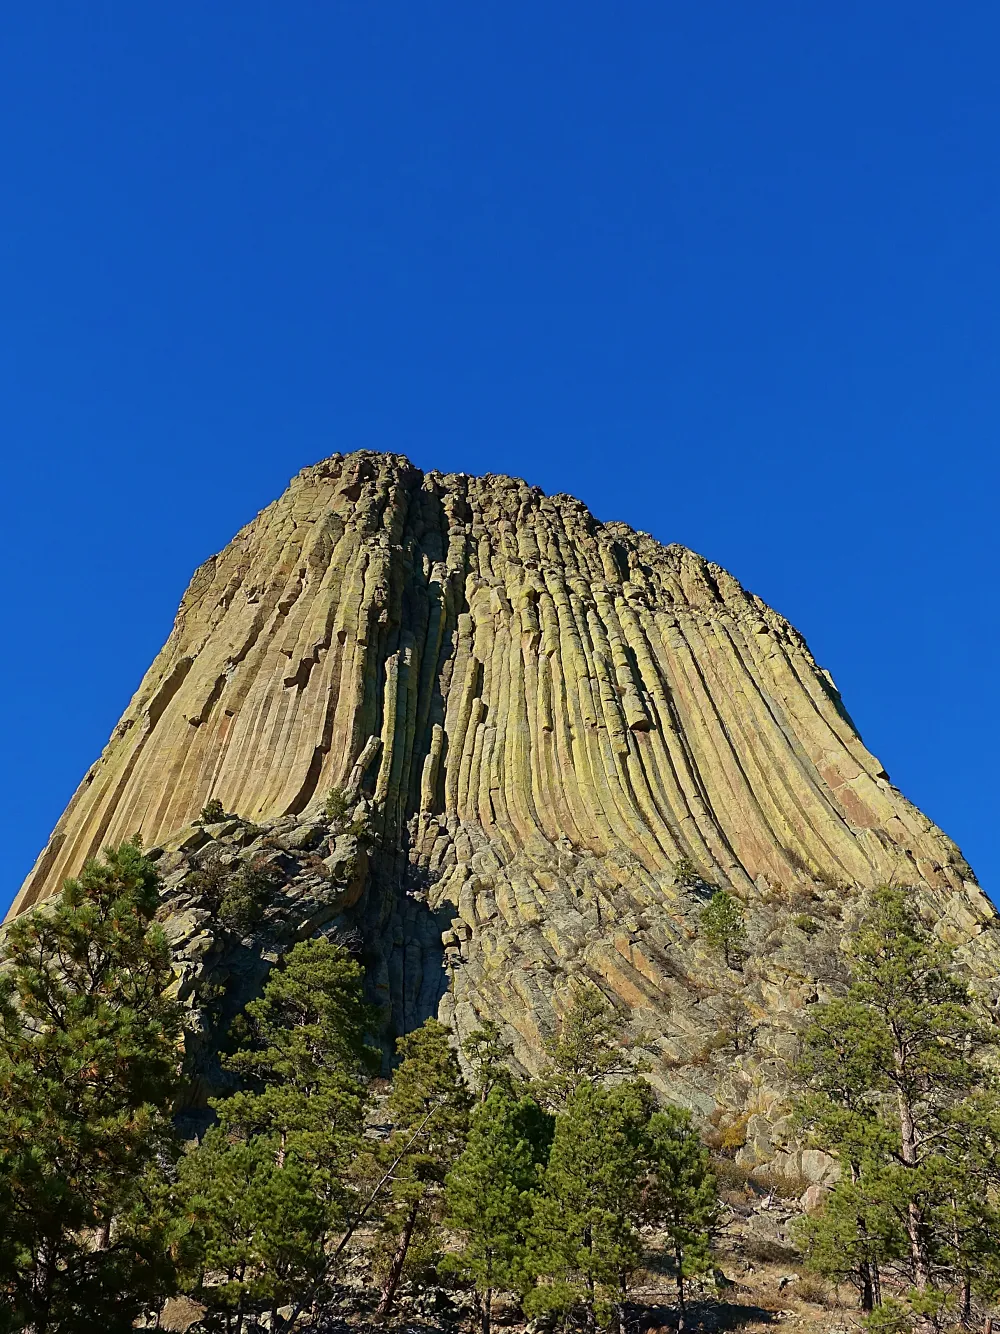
[(590, 1046), (429, 1107), (722, 925), (972, 1225), (897, 1090), (584, 1240), (89, 1068), (270, 1184), (488, 1054), (855, 1237), (490, 1193), (681, 1198)]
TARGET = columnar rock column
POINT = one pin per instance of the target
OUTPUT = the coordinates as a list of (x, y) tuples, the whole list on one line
[(547, 714)]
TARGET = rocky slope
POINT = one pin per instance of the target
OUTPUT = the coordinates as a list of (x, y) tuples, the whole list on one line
[(535, 720)]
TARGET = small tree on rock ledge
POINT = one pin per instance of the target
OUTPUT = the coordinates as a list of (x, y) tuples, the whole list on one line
[(722, 925)]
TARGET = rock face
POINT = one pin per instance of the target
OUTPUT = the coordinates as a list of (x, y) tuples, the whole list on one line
[(539, 718)]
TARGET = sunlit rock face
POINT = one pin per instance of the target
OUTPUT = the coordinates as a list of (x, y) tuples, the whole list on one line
[(540, 715)]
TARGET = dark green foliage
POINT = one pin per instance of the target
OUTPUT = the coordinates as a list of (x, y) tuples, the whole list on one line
[(806, 923), (213, 813), (429, 1107), (721, 924), (238, 895), (490, 1193), (337, 805), (254, 1228), (209, 880), (246, 895), (589, 1047), (488, 1054), (337, 809), (897, 1090), (681, 1199), (687, 875), (89, 1067), (584, 1239), (269, 1185)]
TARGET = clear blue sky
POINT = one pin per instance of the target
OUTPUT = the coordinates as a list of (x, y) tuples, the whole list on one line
[(726, 271)]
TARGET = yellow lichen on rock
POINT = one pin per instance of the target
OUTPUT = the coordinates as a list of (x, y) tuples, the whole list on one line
[(546, 715)]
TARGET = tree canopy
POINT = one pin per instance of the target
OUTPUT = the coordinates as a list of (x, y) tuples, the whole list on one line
[(89, 1069)]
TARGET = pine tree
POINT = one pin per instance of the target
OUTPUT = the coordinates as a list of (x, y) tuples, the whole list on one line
[(489, 1057), (895, 1087), (490, 1194), (428, 1106), (972, 1224), (681, 1197), (855, 1236), (590, 1046), (270, 1184), (89, 1068), (722, 925), (584, 1239)]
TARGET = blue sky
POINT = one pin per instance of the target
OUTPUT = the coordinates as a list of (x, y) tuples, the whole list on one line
[(727, 272)]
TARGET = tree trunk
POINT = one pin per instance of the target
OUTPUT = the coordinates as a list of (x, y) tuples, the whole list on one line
[(965, 1310), (867, 1287), (681, 1308), (44, 1305), (591, 1320), (398, 1260), (485, 1310), (914, 1214), (591, 1325), (869, 1283)]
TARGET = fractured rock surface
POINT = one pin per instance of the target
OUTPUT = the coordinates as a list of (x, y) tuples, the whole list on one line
[(540, 715)]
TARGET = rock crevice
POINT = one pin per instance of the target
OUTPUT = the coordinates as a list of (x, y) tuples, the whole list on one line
[(544, 715)]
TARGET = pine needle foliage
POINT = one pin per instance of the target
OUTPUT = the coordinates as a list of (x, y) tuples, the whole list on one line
[(590, 1046), (897, 1087), (89, 1069), (428, 1105), (681, 1199), (489, 1056), (584, 1239), (722, 925), (269, 1187), (491, 1191)]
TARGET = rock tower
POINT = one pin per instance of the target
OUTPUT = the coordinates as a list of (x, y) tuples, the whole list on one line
[(560, 735)]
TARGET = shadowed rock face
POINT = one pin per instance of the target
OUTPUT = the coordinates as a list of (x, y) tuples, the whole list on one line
[(541, 715)]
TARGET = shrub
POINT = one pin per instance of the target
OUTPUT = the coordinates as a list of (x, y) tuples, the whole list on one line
[(811, 1289), (237, 896), (734, 1136), (806, 923), (246, 895), (738, 1030), (786, 1185), (687, 875), (731, 1177), (213, 812), (768, 1250), (337, 805), (209, 879)]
